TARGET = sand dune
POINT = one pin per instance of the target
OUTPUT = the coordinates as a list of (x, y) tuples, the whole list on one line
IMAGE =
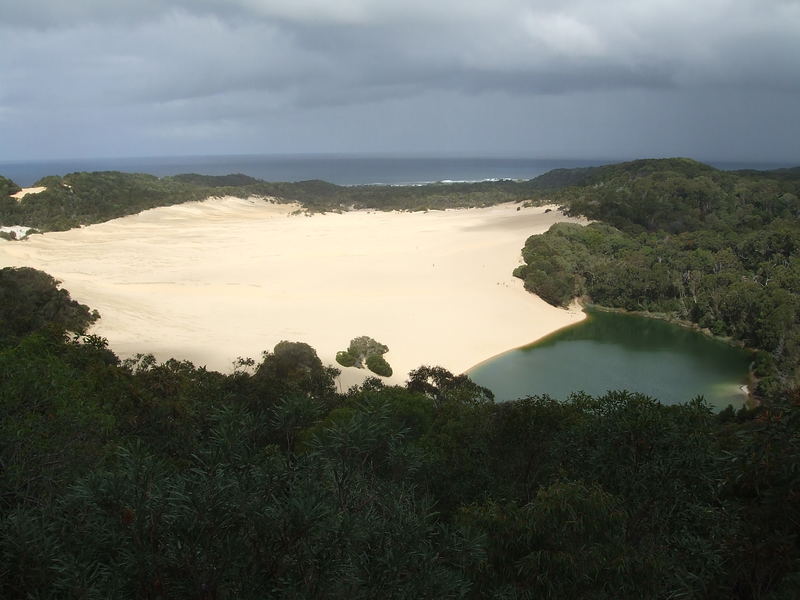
[(25, 191), (210, 281)]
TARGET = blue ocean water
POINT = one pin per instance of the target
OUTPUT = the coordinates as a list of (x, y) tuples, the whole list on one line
[(339, 169)]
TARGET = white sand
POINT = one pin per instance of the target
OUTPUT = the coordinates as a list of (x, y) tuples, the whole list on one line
[(20, 231), (210, 281), (25, 191)]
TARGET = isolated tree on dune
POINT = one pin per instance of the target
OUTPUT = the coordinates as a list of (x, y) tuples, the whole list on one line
[(365, 351)]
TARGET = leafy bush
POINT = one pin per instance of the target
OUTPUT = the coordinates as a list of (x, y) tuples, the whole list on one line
[(294, 367), (30, 300), (7, 187), (344, 358)]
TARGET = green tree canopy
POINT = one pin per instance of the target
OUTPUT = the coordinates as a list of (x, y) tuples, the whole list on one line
[(31, 300)]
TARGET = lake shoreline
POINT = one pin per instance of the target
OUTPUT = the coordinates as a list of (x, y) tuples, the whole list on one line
[(752, 401), (573, 308), (612, 350)]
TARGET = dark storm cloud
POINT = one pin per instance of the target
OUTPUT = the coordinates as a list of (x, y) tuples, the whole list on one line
[(227, 66)]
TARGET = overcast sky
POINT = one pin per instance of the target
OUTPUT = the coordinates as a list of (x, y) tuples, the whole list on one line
[(710, 79)]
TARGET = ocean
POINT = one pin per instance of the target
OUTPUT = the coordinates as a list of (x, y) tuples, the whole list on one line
[(339, 169)]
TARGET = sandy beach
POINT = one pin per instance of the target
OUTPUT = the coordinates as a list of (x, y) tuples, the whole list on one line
[(214, 280)]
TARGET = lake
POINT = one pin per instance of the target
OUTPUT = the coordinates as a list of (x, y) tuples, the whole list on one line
[(611, 351)]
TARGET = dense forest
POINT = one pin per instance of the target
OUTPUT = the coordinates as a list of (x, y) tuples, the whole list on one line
[(138, 479), (686, 241)]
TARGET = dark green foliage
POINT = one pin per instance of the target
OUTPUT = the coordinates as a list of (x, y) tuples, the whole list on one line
[(557, 179), (30, 301), (763, 479), (378, 365), (156, 480), (364, 351), (7, 188), (568, 542), (214, 181), (363, 347), (295, 367), (322, 196), (85, 198), (677, 195), (344, 358), (329, 525), (443, 388), (716, 249), (56, 418)]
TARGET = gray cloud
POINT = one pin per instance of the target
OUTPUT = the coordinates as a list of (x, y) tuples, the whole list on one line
[(205, 69)]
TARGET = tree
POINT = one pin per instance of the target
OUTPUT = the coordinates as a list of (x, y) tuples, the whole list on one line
[(441, 386), (295, 367), (7, 187), (365, 351), (31, 301), (344, 358), (363, 347), (379, 366)]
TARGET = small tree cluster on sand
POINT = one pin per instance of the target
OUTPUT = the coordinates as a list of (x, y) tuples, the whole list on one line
[(365, 351)]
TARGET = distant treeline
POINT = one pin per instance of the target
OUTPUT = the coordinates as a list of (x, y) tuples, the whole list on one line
[(85, 198), (715, 248), (138, 479)]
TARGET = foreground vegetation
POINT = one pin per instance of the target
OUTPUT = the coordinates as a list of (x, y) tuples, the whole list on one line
[(679, 238), (139, 479), (136, 479)]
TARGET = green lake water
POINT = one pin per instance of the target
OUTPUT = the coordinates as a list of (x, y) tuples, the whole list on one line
[(612, 351)]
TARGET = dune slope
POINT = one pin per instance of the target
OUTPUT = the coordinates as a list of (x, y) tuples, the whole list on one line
[(210, 281)]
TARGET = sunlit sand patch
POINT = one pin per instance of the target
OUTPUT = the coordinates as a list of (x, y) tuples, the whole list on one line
[(227, 277), (25, 191)]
